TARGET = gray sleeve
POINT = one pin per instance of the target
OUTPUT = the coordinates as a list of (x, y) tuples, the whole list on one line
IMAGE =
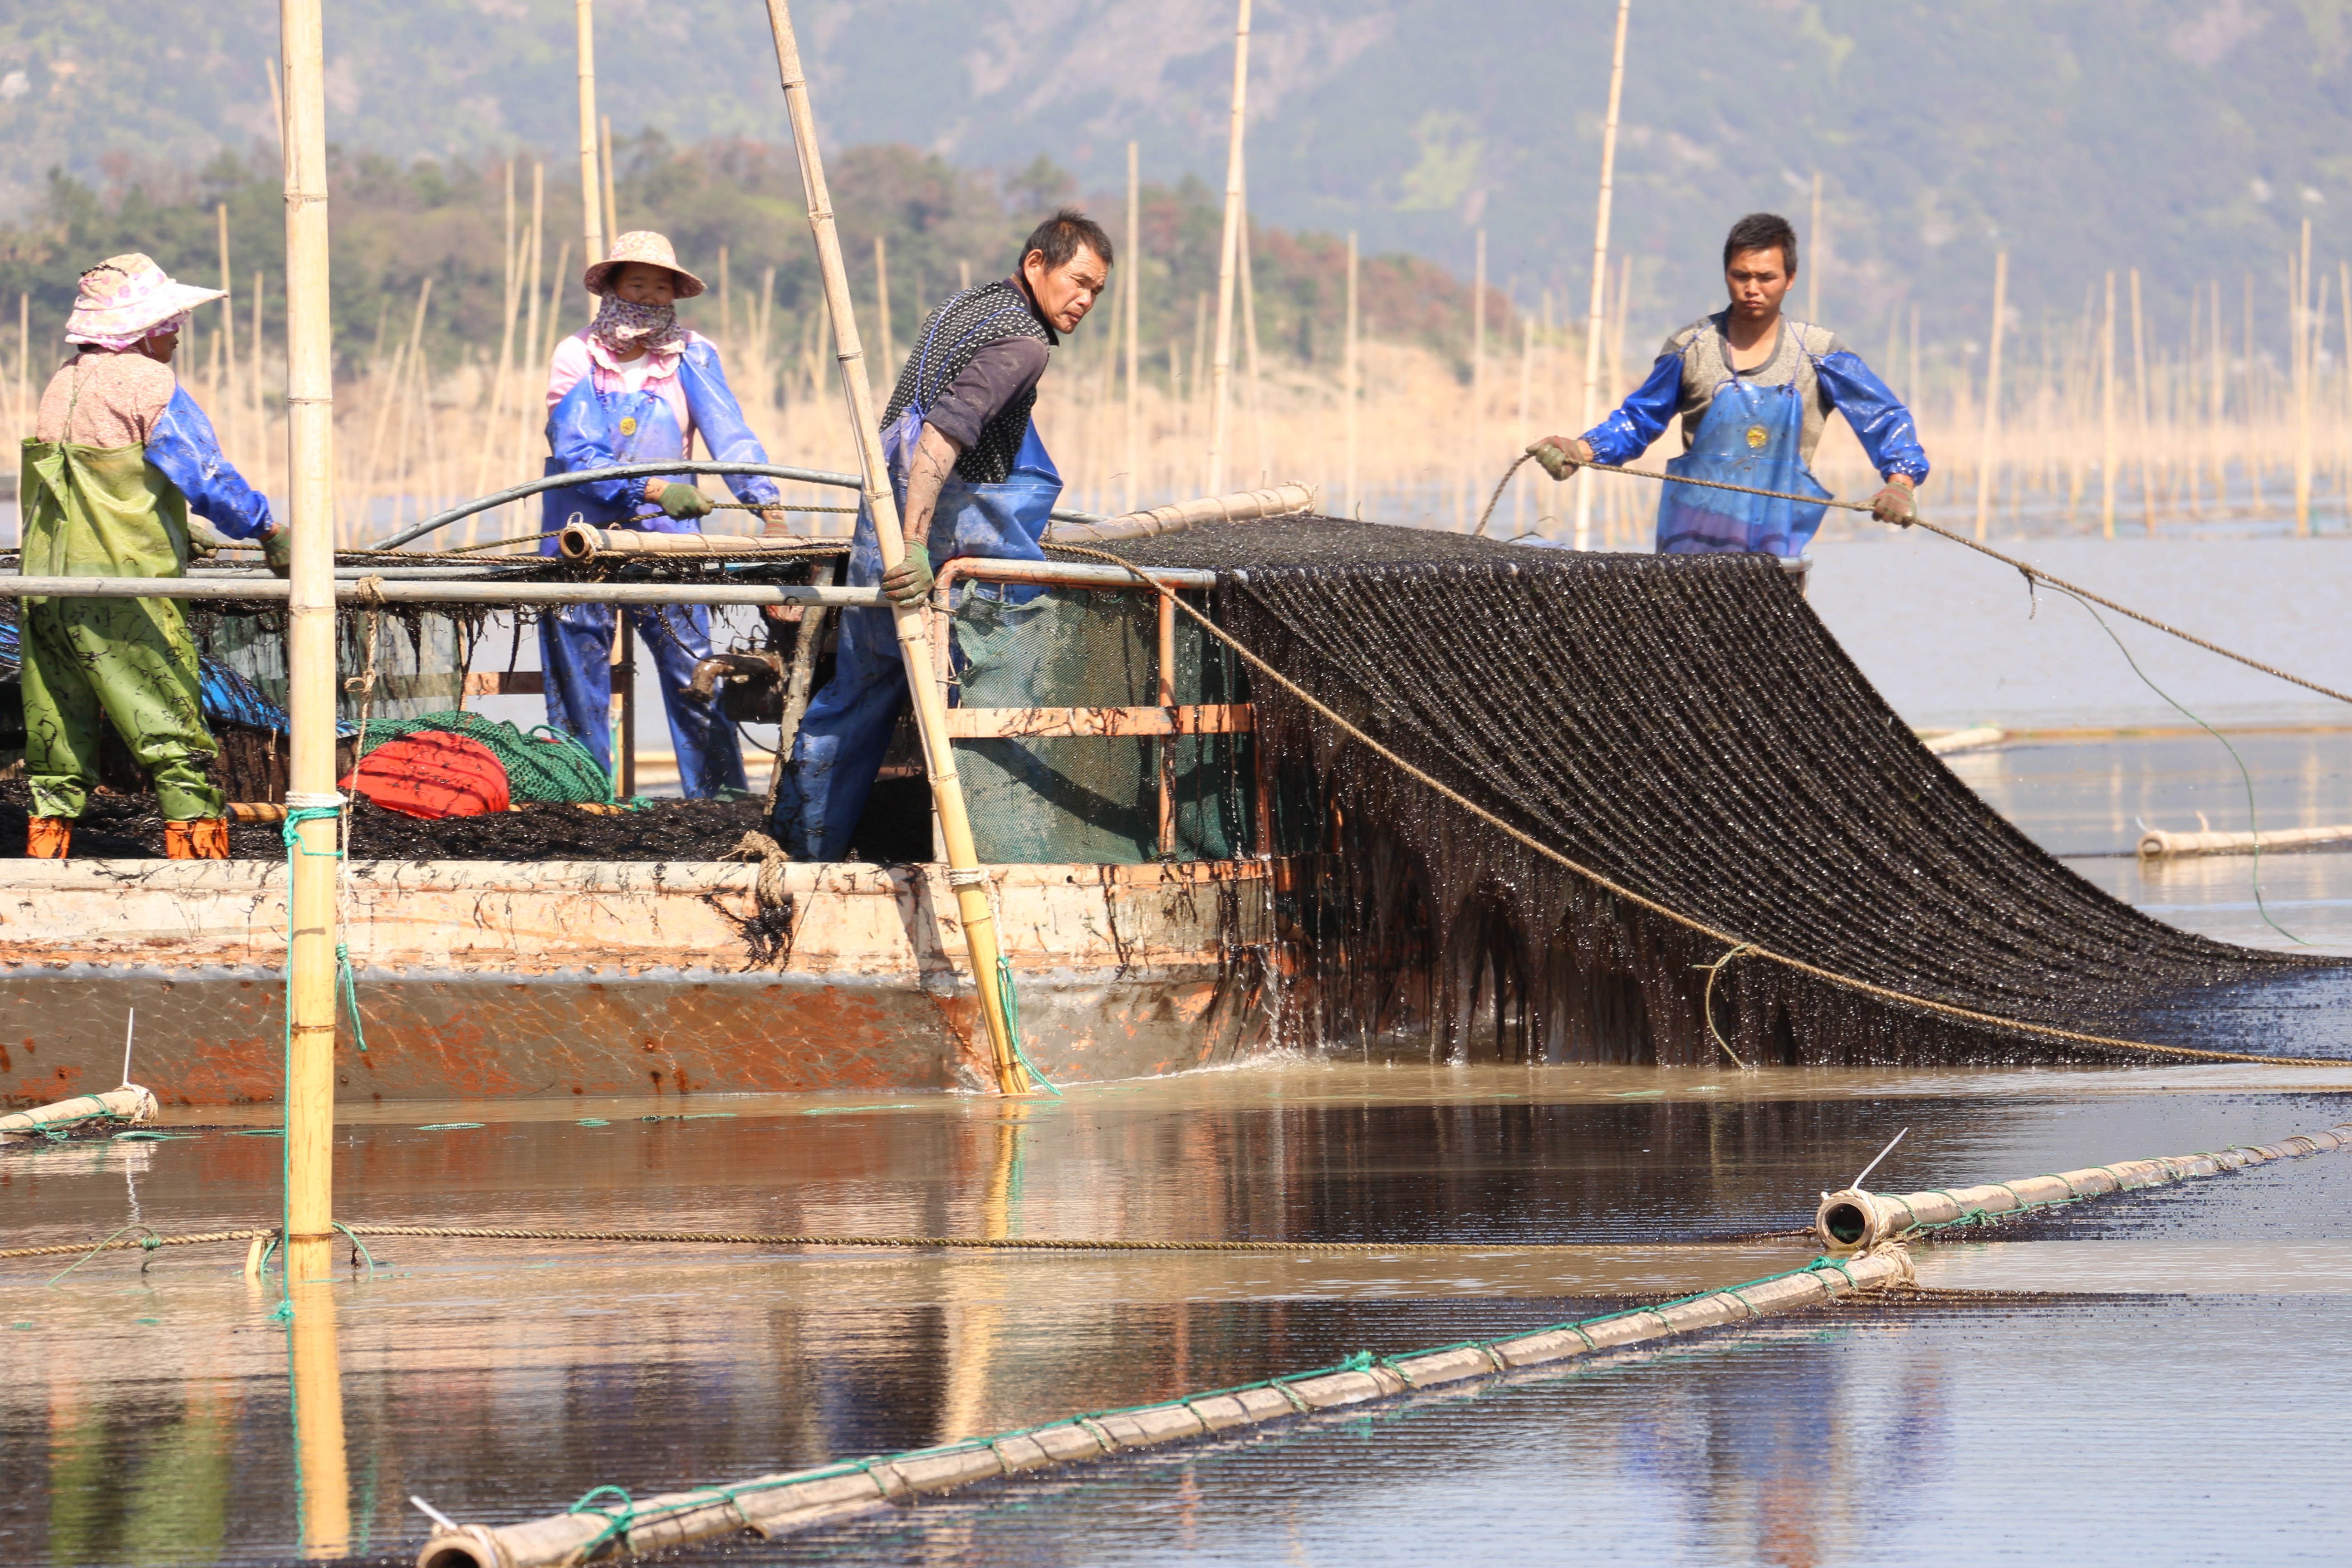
[(996, 375)]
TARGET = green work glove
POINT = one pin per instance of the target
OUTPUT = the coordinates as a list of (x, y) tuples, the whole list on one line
[(909, 582), (684, 502), (277, 550), (1894, 505), (1560, 456)]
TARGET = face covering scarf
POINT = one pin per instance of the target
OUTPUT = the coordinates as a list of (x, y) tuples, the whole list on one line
[(624, 326)]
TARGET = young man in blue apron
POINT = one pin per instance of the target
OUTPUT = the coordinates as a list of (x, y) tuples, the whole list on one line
[(971, 478), (1754, 392)]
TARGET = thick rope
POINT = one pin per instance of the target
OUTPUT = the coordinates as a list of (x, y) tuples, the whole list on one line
[(2032, 573), (1609, 885)]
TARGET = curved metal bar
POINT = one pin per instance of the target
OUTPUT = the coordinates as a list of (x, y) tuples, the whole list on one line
[(648, 471)]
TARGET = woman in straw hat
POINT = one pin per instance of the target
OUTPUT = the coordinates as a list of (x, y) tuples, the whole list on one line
[(633, 386), (120, 455)]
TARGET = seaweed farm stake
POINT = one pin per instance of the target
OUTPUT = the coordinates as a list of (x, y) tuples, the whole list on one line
[(964, 875), (591, 195), (1222, 368), (1599, 269)]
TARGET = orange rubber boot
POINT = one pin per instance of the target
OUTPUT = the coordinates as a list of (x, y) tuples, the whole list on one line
[(48, 838), (204, 838)]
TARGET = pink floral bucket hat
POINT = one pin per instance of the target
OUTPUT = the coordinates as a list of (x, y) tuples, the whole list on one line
[(641, 245), (126, 298)]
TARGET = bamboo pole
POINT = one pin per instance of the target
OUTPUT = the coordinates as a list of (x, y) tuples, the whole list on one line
[(262, 445), (591, 203), (1992, 392), (510, 300), (2249, 412), (1815, 250), (226, 406), (2108, 417), (605, 170), (2344, 429), (1525, 433), (2216, 399), (2140, 416), (315, 1389), (527, 405), (1477, 452), (2304, 345), (1134, 335), (1228, 246), (309, 659), (1248, 287), (1352, 386), (970, 883), (1600, 271)]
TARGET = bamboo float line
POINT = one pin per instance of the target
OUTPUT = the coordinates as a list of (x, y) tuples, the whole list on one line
[(1870, 1257), (1591, 407), (592, 204), (2156, 844), (371, 589), (964, 876), (1221, 367)]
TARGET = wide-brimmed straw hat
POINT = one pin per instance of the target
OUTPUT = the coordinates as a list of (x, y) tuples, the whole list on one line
[(123, 296), (641, 245)]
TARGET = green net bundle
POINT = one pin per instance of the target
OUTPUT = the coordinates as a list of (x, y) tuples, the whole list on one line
[(545, 765)]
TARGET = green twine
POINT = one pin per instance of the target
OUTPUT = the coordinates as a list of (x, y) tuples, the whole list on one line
[(615, 1520), (1005, 988)]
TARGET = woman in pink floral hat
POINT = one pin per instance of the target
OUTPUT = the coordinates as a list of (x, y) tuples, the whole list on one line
[(120, 455), (635, 386)]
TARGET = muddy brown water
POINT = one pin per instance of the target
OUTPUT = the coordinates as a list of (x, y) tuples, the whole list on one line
[(145, 1414)]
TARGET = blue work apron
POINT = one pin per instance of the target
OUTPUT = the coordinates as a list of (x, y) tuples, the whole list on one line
[(1751, 436), (839, 749)]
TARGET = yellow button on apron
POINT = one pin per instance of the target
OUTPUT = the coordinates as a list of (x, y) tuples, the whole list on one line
[(1757, 436), (629, 427)]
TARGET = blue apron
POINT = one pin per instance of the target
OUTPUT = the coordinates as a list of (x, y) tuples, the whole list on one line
[(1751, 436), (575, 643), (838, 752)]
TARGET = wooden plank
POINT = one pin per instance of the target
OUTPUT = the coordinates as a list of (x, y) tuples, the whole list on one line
[(1043, 723), (506, 683)]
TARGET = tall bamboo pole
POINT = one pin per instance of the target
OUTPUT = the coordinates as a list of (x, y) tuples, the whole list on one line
[(1134, 319), (1600, 271), (226, 415), (2216, 398), (2139, 410), (1221, 368), (1477, 454), (604, 175), (1986, 450), (2250, 411), (310, 656), (1523, 435), (2108, 417), (970, 883), (1814, 259), (253, 392), (2303, 366), (592, 192), (1354, 382), (1247, 286)]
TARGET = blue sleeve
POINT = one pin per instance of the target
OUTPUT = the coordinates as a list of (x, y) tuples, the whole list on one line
[(720, 418), (183, 448), (1642, 418), (1888, 435), (580, 439)]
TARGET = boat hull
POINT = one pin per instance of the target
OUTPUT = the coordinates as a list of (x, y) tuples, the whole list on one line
[(509, 980)]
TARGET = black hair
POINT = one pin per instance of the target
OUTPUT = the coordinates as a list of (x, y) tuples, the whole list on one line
[(1763, 231), (1063, 236)]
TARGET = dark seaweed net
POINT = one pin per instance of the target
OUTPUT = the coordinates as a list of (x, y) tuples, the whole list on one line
[(1688, 728)]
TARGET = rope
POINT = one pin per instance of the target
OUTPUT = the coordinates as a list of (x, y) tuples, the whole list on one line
[(1609, 885), (2031, 573), (897, 1243)]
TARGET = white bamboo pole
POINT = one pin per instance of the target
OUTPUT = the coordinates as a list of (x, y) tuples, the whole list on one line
[(1221, 368), (225, 414), (1353, 378), (2305, 359), (1600, 271), (2140, 409), (1985, 451), (605, 176), (310, 696), (1248, 287), (970, 883), (592, 192), (2107, 416), (1134, 319), (1478, 362)]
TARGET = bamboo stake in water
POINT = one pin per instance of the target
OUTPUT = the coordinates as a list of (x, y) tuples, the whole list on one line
[(1220, 369), (1477, 452), (2140, 416), (2249, 413), (1591, 413), (2108, 418), (2216, 396), (1134, 289), (226, 406), (1248, 288), (2303, 344), (1985, 455), (1352, 390), (605, 167), (262, 445), (311, 672), (591, 194), (964, 876)]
